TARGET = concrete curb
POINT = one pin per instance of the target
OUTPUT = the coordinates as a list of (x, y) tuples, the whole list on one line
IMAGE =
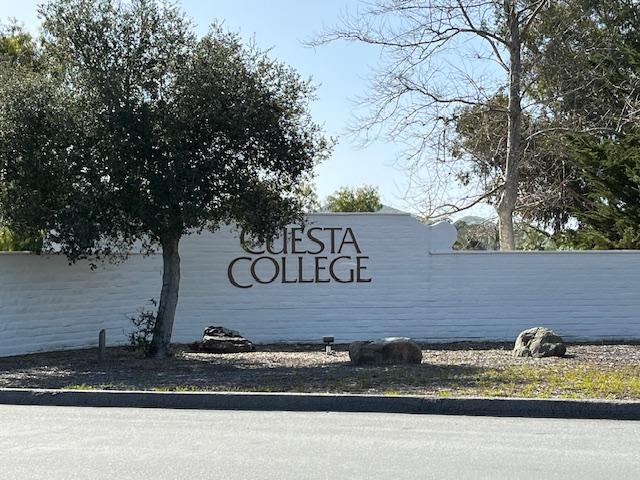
[(475, 406)]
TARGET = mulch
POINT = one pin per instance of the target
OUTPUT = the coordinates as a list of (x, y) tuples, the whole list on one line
[(298, 367)]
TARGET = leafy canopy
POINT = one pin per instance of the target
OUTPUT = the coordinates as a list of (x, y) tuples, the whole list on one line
[(361, 199), (585, 58), (17, 46), (610, 177), (136, 130), (546, 194)]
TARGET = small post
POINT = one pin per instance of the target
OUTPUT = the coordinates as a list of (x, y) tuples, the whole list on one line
[(327, 344), (102, 345)]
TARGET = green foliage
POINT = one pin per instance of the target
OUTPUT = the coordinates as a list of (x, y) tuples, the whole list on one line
[(143, 324), (6, 240), (139, 131), (587, 79), (610, 174), (136, 131), (307, 193), (17, 47), (545, 195), (18, 51), (529, 237), (587, 75), (12, 243), (153, 131), (584, 82), (476, 233), (361, 199)]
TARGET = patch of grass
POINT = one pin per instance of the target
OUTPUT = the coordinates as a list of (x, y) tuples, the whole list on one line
[(558, 381), (444, 393), (533, 380), (84, 386), (80, 386), (177, 388)]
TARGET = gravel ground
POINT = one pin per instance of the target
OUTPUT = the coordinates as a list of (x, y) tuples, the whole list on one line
[(453, 369)]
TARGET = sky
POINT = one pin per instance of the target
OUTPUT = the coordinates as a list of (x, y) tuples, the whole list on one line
[(340, 70)]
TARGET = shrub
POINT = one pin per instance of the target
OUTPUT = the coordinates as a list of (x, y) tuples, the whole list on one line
[(144, 322), (10, 242)]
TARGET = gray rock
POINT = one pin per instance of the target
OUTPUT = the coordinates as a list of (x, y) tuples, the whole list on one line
[(223, 340), (539, 342), (220, 332), (392, 350)]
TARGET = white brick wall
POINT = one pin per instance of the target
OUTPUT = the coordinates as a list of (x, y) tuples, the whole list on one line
[(419, 288)]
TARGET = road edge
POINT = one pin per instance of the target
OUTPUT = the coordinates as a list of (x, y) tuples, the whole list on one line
[(317, 402)]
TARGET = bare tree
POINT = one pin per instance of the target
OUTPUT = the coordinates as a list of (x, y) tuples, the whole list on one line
[(438, 57)]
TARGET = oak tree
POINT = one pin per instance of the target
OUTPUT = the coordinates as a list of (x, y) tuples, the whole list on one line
[(137, 132)]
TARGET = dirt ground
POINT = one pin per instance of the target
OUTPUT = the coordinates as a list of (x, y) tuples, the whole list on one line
[(588, 371)]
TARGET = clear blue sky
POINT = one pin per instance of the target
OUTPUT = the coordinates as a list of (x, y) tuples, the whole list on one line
[(339, 69)]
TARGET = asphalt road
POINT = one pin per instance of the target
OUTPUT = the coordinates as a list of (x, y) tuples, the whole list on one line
[(118, 443)]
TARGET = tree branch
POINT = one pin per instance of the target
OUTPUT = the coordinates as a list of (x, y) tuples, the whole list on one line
[(532, 16)]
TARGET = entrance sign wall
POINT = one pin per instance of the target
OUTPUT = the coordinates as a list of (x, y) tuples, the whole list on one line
[(353, 276)]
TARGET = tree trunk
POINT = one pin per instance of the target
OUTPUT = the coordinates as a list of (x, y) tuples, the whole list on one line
[(168, 297), (507, 202)]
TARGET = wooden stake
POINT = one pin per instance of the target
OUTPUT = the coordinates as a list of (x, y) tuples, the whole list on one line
[(102, 345)]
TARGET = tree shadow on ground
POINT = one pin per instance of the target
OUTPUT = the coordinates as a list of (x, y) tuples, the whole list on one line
[(590, 374), (125, 369)]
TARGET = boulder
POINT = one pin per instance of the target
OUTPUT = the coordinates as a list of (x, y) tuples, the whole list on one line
[(392, 350), (223, 340), (539, 342)]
